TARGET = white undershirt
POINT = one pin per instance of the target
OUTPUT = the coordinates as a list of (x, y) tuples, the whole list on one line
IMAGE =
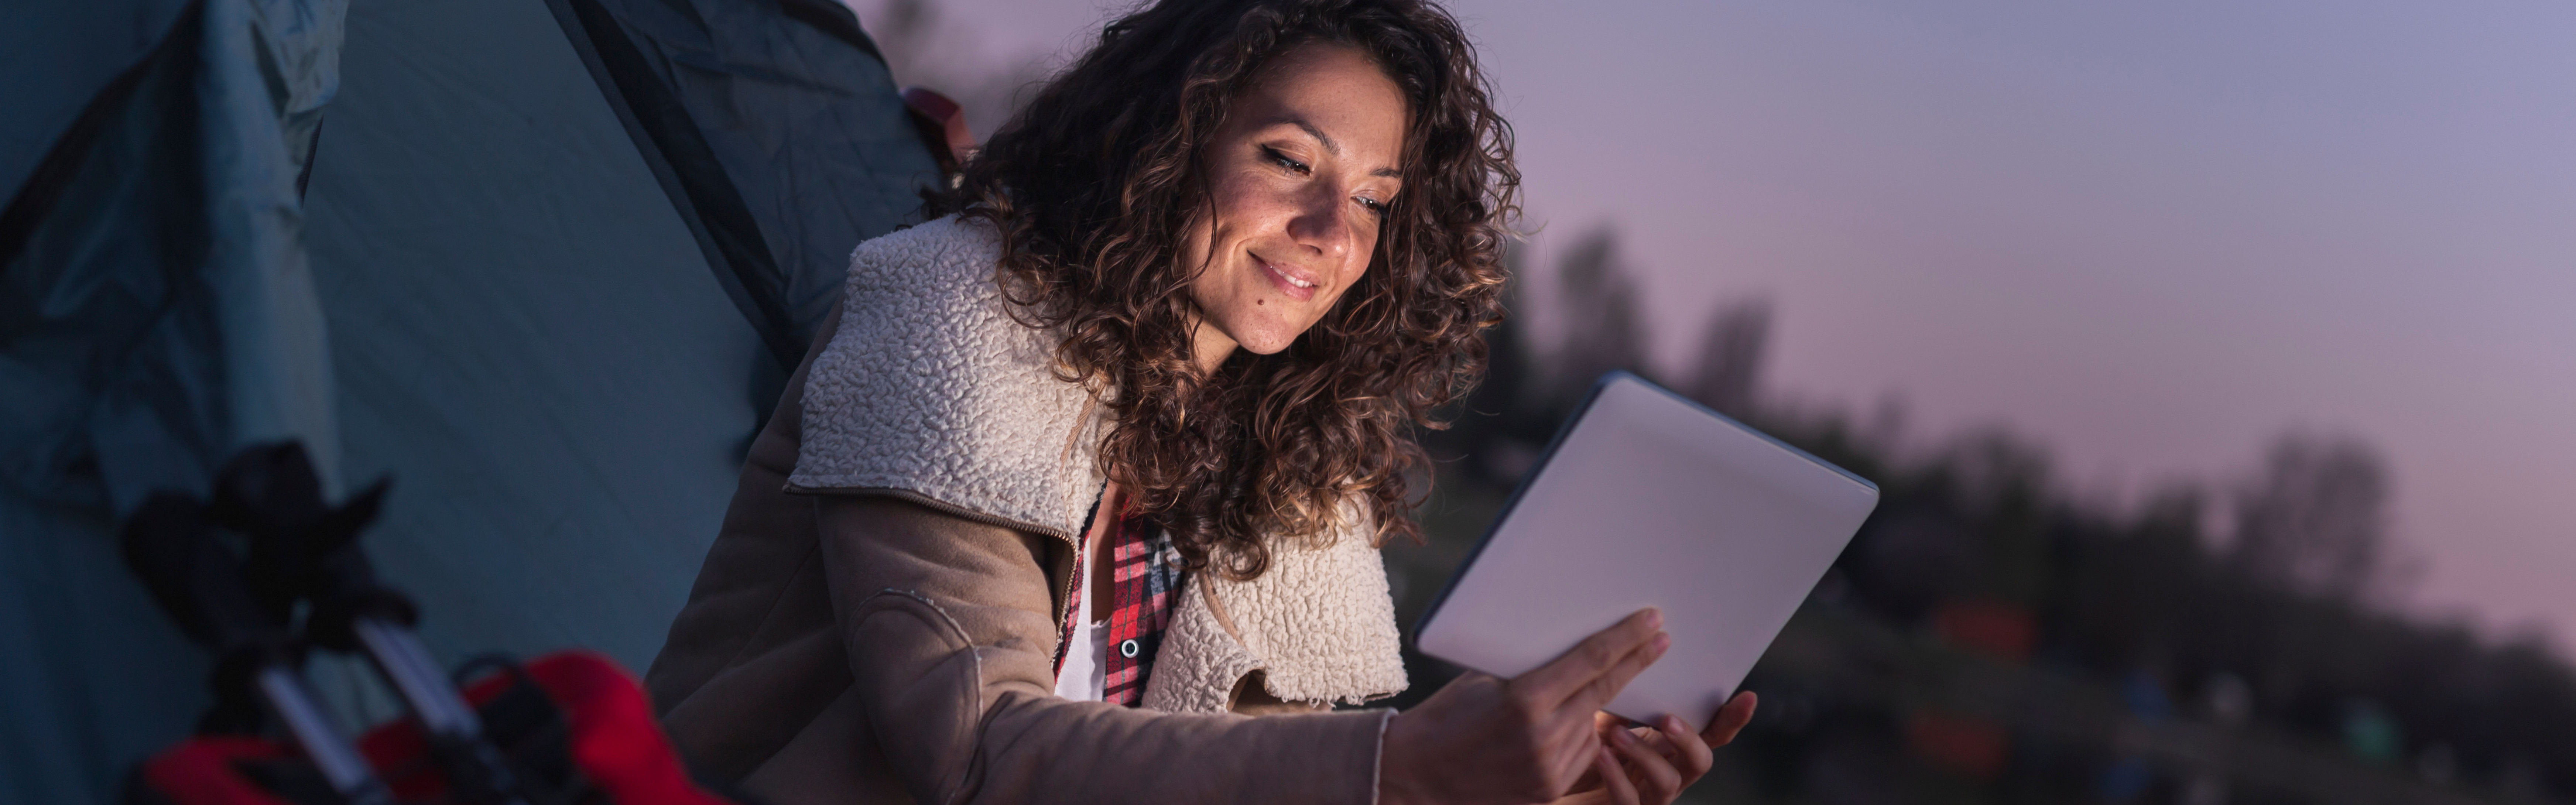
[(1085, 677)]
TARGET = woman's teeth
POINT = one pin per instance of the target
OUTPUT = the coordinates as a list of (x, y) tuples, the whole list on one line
[(1284, 275)]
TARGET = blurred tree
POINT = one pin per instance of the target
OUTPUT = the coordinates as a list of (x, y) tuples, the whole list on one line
[(902, 32), (1603, 327), (2004, 481), (1997, 471), (1729, 374), (1501, 396), (1488, 427), (920, 50), (2317, 516)]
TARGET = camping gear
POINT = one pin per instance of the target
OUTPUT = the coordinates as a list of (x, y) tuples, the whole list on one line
[(545, 262), (303, 550), (570, 727), (170, 545)]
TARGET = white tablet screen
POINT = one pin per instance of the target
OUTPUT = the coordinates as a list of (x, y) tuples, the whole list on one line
[(1648, 499)]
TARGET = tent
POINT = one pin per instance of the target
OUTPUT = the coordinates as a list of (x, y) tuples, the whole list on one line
[(545, 263)]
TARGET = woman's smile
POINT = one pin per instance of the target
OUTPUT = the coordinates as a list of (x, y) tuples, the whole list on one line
[(1296, 283)]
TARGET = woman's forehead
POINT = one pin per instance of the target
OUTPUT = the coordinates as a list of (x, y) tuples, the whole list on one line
[(1335, 94)]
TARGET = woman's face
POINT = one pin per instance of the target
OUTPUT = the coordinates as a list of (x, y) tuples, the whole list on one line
[(1300, 177)]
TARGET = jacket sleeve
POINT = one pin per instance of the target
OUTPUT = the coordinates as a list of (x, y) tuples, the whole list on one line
[(950, 628)]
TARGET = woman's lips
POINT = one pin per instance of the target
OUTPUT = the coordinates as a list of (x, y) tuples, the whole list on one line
[(1297, 285)]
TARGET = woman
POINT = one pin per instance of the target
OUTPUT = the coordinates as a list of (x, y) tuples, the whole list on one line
[(1095, 467)]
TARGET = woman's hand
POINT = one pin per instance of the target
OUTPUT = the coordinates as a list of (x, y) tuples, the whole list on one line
[(1651, 765), (1528, 739)]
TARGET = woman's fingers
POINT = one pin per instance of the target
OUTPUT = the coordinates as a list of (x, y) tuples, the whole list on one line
[(1614, 780), (1561, 700), (1606, 686), (1651, 774), (1730, 719), (1691, 754), (1548, 686)]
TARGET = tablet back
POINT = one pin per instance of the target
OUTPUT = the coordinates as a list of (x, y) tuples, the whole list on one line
[(1648, 499)]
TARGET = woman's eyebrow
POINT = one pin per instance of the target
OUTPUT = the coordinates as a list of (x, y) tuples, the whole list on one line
[(1330, 147)]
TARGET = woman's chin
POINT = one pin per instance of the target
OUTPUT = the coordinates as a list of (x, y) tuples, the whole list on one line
[(1266, 347), (1269, 343), (1262, 334)]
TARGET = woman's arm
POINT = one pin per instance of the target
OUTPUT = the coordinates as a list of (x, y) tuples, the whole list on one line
[(950, 629)]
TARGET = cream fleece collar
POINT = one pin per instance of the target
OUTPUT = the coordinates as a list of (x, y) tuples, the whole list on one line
[(931, 391)]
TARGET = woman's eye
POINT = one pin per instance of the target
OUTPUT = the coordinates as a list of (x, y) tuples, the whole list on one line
[(1284, 161), (1373, 205)]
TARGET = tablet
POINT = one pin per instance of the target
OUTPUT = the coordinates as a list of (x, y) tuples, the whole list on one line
[(1646, 498)]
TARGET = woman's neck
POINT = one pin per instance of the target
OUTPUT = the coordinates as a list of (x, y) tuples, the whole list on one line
[(1209, 347)]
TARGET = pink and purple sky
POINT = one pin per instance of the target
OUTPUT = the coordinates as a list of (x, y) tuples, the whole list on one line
[(2150, 234)]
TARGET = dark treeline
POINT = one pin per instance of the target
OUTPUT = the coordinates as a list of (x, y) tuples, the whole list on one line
[(1994, 636)]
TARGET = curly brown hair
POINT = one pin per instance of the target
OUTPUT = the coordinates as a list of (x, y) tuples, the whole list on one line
[(1092, 188)]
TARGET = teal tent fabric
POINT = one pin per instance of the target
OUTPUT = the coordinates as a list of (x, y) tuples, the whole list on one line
[(793, 102), (529, 341), (63, 55), (158, 314), (543, 263), (533, 337)]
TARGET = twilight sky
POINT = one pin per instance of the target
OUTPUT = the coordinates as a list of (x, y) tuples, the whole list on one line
[(2150, 234)]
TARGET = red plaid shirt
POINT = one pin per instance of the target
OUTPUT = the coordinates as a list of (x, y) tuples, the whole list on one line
[(1145, 575)]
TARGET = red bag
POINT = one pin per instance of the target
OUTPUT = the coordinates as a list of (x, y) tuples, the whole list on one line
[(576, 725)]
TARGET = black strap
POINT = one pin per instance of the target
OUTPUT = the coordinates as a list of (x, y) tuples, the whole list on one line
[(689, 172), (35, 198), (834, 19)]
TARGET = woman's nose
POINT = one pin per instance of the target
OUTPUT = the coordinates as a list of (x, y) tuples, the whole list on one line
[(1322, 224)]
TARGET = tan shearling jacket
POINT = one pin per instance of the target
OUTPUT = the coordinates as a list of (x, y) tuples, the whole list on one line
[(878, 618)]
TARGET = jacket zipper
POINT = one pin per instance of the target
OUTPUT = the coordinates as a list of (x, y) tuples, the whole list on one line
[(1064, 621)]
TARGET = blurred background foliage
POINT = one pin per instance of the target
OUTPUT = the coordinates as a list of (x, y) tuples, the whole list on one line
[(1994, 634)]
